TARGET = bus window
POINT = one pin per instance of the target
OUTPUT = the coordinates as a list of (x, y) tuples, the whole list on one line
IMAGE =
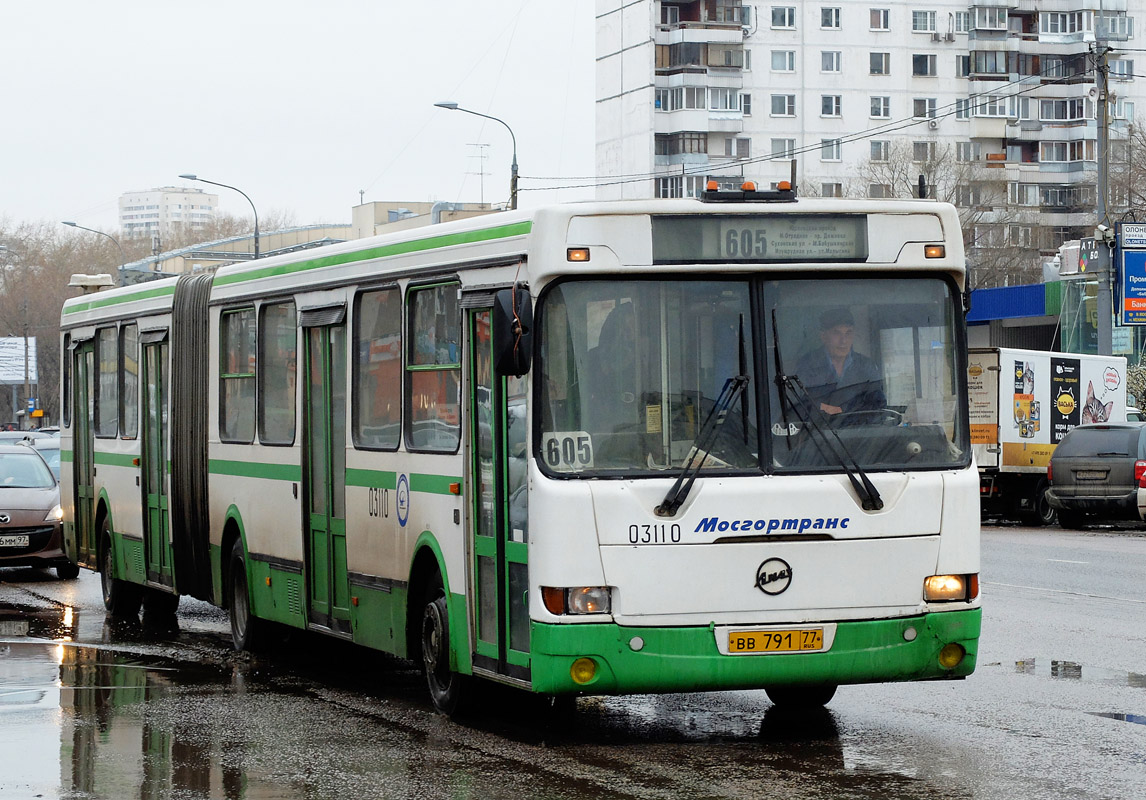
[(378, 369), (107, 383), (875, 363), (278, 351), (434, 369), (237, 376), (631, 370), (129, 381)]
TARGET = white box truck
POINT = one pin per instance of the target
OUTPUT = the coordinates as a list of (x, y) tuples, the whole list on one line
[(1022, 403)]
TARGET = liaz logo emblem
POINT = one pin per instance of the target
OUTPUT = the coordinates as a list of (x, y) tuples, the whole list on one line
[(774, 576)]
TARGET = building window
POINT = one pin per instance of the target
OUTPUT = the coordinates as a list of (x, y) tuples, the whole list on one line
[(962, 21), (129, 381), (783, 16), (1062, 110), (880, 19), (378, 370), (962, 66), (1122, 68), (746, 104), (830, 105), (237, 361), (830, 150), (738, 147), (968, 195), (831, 190), (881, 108), (989, 62), (880, 150), (1067, 151), (1019, 235), (879, 190), (783, 60), (923, 64), (783, 148), (968, 151), (923, 107), (880, 63), (1023, 194), (830, 18), (668, 187), (783, 105), (830, 60), (724, 99), (1068, 22), (991, 106), (433, 369), (673, 144), (922, 152), (278, 372), (923, 21), (990, 18)]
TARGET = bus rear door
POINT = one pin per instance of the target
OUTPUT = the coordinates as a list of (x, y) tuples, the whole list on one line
[(83, 445), (156, 542)]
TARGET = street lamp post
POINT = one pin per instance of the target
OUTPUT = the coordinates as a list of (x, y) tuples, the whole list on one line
[(193, 177), (122, 257), (450, 106)]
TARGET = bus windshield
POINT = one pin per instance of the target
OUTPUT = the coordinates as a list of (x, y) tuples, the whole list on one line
[(631, 372)]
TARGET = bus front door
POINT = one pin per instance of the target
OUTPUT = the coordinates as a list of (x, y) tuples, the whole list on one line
[(156, 541), (498, 509), (324, 448), (83, 445)]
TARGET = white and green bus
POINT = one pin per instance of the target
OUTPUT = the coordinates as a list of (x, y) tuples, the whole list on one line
[(593, 448)]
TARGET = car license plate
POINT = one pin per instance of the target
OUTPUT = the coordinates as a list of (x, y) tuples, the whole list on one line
[(1090, 474), (13, 627), (786, 641), (17, 540)]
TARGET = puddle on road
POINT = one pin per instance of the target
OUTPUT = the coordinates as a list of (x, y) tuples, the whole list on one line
[(1138, 719), (1071, 670)]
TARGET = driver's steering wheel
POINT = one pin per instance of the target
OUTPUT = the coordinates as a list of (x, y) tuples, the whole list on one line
[(871, 416)]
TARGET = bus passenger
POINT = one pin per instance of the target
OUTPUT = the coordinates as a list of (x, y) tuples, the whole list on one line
[(839, 379)]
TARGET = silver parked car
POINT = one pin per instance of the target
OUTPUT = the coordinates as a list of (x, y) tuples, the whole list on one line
[(31, 531)]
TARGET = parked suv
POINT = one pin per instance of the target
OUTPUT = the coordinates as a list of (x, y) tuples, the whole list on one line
[(1097, 473)]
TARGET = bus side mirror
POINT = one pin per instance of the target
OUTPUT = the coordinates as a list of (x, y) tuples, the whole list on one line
[(512, 331)]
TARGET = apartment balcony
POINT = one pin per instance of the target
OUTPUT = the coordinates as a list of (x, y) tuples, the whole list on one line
[(686, 119), (699, 32), (1033, 130), (1108, 6), (679, 159), (988, 127)]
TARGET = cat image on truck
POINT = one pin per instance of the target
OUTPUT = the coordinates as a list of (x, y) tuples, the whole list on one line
[(1022, 402)]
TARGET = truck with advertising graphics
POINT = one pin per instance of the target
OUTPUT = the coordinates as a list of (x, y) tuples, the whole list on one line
[(1022, 402)]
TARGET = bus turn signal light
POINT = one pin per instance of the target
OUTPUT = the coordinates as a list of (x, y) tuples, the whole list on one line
[(934, 251), (947, 588), (577, 254)]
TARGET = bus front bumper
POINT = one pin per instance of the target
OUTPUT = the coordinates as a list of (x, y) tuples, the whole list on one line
[(687, 659)]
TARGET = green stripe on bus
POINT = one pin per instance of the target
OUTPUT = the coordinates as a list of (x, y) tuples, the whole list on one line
[(399, 248), (254, 469), (432, 484), (65, 455), (372, 478), (113, 459), (100, 302)]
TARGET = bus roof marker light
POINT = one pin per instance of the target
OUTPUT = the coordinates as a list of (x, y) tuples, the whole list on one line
[(934, 251), (577, 254), (748, 186)]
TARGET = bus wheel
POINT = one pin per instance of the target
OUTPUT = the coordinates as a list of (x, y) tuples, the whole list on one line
[(801, 696), (446, 686), (246, 629), (120, 598)]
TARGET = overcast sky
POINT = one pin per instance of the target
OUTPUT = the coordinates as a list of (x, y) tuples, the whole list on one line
[(299, 104)]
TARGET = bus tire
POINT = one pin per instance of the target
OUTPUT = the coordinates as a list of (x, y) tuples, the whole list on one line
[(793, 697), (120, 598), (247, 630), (447, 688)]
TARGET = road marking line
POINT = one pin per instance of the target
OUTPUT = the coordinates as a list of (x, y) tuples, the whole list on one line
[(1064, 591), (1064, 561)]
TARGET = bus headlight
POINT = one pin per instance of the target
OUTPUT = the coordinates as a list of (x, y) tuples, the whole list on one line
[(576, 600), (947, 588)]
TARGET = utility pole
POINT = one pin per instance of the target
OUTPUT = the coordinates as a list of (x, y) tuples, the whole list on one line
[(1104, 302)]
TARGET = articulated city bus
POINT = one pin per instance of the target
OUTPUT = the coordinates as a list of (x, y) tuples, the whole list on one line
[(600, 448)]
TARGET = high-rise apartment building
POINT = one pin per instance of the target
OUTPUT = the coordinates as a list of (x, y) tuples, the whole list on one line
[(159, 210), (994, 102)]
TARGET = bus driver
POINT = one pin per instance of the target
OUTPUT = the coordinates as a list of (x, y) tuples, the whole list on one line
[(839, 379)]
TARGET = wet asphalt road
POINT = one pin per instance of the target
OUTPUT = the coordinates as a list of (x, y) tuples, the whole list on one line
[(1056, 709)]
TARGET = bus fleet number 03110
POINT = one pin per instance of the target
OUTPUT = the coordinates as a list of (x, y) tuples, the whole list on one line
[(657, 533)]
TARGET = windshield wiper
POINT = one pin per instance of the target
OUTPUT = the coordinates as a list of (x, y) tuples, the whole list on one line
[(804, 408), (732, 389)]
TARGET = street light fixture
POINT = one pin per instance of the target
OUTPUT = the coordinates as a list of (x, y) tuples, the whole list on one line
[(122, 257), (450, 106), (192, 177)]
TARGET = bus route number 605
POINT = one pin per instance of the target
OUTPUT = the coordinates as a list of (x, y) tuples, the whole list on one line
[(567, 451)]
